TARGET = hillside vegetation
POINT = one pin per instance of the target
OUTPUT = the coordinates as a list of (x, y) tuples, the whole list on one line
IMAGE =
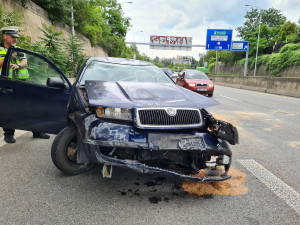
[(279, 44)]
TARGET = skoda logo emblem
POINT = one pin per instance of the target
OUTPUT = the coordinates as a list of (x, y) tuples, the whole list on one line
[(171, 111)]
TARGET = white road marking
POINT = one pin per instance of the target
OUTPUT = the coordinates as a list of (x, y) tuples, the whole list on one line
[(230, 98), (281, 189), (18, 133)]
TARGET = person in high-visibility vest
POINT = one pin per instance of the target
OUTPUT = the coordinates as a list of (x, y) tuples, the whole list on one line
[(20, 74), (17, 71)]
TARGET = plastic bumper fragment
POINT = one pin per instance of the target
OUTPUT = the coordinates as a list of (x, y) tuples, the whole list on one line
[(143, 168)]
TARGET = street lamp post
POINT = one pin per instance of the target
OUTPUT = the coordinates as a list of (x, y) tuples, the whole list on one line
[(126, 2), (134, 56), (260, 11)]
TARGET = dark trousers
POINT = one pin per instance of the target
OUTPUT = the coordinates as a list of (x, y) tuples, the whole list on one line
[(9, 131)]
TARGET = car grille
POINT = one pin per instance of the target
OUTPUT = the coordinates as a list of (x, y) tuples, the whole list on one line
[(201, 85), (159, 117)]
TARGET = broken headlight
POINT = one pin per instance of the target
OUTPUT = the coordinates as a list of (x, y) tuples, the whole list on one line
[(114, 113), (227, 132)]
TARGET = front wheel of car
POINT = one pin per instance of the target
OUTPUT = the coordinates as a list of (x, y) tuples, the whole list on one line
[(64, 152), (210, 95)]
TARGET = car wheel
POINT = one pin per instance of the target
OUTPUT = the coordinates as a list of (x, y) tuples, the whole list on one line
[(64, 152), (210, 95)]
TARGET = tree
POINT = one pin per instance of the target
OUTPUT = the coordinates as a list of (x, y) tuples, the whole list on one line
[(89, 21), (58, 10), (75, 54), (194, 62), (102, 21), (286, 32), (270, 17), (51, 46), (113, 16)]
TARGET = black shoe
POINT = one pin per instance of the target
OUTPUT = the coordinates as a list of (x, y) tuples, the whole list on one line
[(9, 138), (41, 135)]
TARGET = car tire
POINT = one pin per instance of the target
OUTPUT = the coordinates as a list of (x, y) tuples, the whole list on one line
[(210, 95), (63, 152)]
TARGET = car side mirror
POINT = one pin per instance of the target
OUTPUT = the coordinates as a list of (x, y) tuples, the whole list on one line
[(56, 82), (211, 79)]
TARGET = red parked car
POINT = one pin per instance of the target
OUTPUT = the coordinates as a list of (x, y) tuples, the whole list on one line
[(197, 81)]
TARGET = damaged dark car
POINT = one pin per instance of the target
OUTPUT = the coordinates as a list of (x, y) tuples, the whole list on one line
[(119, 112)]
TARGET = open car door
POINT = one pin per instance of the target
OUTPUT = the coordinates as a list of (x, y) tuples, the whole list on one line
[(29, 104)]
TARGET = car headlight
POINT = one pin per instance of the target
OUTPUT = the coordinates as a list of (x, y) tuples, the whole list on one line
[(192, 85), (210, 85), (114, 113)]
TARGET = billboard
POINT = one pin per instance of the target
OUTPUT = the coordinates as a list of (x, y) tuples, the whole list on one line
[(170, 42)]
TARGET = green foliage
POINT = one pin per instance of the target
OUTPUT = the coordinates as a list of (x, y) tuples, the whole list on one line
[(102, 21), (58, 10), (1, 12), (288, 30), (270, 17), (52, 46), (288, 56), (75, 56), (211, 65), (89, 21), (127, 53), (13, 18)]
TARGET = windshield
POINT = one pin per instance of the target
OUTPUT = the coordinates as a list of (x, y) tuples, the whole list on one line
[(129, 73), (167, 70), (196, 75)]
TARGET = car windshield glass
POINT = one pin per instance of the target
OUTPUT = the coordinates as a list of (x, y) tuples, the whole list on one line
[(196, 75), (167, 70), (127, 73)]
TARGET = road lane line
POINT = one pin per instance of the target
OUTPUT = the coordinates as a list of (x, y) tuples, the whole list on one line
[(230, 98), (18, 133), (281, 189)]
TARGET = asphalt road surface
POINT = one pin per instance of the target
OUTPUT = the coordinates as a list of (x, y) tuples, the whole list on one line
[(33, 191)]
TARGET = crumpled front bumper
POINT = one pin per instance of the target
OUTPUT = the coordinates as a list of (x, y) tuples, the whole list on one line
[(143, 168), (100, 134), (108, 134)]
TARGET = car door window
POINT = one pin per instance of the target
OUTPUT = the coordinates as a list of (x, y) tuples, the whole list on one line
[(37, 70)]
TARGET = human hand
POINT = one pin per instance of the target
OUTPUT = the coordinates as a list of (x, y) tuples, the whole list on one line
[(14, 66)]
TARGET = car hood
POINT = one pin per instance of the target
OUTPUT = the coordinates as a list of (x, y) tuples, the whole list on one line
[(197, 81), (139, 95)]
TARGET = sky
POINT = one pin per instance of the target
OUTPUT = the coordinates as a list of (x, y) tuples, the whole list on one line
[(191, 18)]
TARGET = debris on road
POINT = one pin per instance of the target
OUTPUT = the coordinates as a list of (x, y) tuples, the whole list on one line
[(233, 186)]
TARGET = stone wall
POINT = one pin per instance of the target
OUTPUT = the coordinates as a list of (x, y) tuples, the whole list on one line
[(35, 16)]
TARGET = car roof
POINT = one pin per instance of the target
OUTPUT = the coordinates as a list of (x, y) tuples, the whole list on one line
[(122, 61)]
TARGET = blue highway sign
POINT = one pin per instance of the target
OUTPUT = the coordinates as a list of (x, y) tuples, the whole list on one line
[(218, 39), (240, 46)]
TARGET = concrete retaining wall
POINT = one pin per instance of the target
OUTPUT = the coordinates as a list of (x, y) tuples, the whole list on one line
[(35, 16), (292, 71), (273, 85)]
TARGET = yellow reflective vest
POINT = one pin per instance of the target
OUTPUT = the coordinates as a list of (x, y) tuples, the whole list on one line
[(21, 74)]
